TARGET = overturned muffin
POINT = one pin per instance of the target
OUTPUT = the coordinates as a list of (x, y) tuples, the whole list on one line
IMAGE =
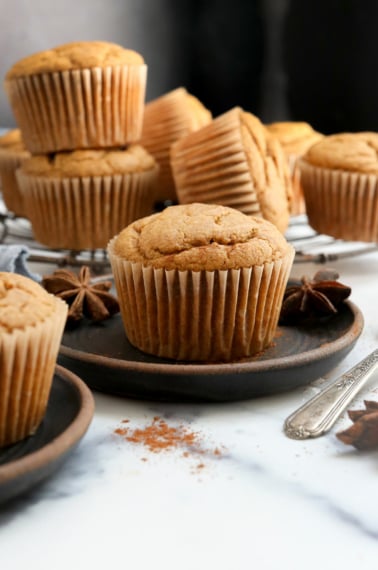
[(31, 327), (340, 181), (296, 137), (200, 282), (87, 94), (166, 119), (79, 200), (234, 161)]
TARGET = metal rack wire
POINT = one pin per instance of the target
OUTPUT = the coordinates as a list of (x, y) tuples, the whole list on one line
[(309, 245)]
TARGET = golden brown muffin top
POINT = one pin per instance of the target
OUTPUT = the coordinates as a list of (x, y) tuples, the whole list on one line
[(80, 163), (201, 237), (355, 152), (12, 140), (23, 302), (296, 137), (75, 55), (268, 168)]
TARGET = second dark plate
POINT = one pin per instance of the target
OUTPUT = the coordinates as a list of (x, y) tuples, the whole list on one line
[(103, 357)]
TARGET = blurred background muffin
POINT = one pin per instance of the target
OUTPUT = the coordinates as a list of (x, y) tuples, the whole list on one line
[(340, 181), (12, 155), (166, 119)]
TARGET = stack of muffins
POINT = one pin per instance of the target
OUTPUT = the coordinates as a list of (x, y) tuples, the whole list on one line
[(80, 109)]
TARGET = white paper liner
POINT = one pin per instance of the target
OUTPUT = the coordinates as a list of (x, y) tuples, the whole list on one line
[(27, 363), (12, 195), (85, 213), (200, 315), (341, 204), (88, 108)]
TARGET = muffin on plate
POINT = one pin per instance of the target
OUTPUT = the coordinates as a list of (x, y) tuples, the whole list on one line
[(78, 95), (79, 200), (31, 326), (200, 282), (340, 181), (296, 137), (12, 155), (234, 162), (166, 119)]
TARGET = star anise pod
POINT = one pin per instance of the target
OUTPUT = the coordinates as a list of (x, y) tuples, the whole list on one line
[(363, 433), (313, 299), (84, 298)]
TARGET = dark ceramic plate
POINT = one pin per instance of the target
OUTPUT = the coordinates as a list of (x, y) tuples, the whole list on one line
[(103, 357), (69, 413)]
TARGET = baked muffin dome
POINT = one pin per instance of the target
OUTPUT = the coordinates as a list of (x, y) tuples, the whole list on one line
[(200, 282)]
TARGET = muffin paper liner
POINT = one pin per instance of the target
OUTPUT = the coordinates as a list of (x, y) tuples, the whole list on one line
[(85, 213), (83, 108), (27, 363), (210, 165), (9, 185), (218, 315), (341, 204)]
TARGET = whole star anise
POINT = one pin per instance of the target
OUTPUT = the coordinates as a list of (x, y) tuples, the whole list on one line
[(84, 298), (311, 299), (363, 433)]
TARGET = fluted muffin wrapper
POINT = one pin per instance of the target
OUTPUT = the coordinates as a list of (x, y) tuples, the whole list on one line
[(210, 165), (12, 196), (222, 315), (82, 108), (85, 213), (165, 121), (341, 204), (297, 205), (27, 363)]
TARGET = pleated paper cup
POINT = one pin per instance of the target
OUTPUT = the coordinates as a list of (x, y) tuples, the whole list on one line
[(341, 204), (221, 315), (27, 363), (166, 120), (12, 196), (83, 108), (85, 213)]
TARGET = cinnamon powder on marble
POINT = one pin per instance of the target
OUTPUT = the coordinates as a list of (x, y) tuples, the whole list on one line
[(159, 436)]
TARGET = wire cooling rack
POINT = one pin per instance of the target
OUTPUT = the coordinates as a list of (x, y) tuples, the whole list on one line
[(309, 245)]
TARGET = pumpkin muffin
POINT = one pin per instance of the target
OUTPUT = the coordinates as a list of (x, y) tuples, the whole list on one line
[(12, 155), (79, 200), (296, 137), (31, 327), (78, 95), (234, 162), (200, 282), (340, 180), (166, 119)]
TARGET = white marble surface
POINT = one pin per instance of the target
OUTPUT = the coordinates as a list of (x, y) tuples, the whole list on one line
[(267, 502)]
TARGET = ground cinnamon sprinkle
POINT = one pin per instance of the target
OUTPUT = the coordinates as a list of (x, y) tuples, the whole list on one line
[(159, 436)]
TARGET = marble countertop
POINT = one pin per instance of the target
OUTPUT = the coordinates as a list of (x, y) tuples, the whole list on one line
[(248, 497)]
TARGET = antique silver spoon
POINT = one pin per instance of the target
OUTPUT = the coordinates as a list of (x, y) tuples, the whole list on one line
[(319, 414)]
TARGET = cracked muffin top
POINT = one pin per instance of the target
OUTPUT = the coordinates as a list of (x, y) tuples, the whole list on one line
[(12, 141), (355, 152), (90, 163), (296, 137), (200, 237), (23, 302), (75, 55)]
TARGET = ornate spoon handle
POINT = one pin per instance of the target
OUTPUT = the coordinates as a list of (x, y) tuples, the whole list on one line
[(319, 414)]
